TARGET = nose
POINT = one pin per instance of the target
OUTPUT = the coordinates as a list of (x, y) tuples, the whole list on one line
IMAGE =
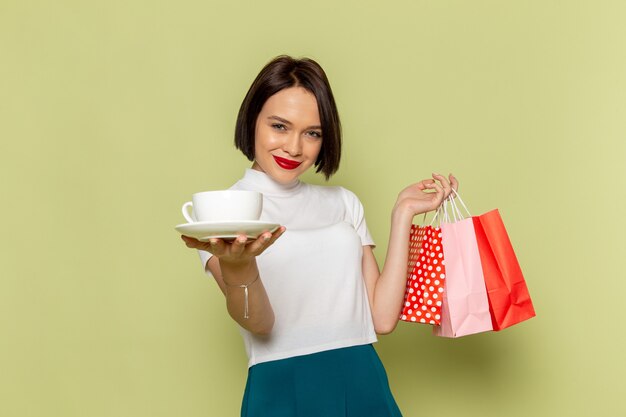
[(293, 144)]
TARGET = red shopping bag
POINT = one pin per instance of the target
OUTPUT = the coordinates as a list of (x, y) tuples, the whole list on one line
[(509, 299), (426, 276)]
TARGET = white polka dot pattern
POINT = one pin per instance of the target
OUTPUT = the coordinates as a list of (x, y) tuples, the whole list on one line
[(426, 276)]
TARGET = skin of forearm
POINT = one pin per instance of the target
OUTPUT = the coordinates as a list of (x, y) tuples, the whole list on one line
[(391, 285), (261, 315)]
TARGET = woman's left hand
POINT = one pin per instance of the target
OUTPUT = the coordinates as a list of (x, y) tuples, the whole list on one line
[(417, 199)]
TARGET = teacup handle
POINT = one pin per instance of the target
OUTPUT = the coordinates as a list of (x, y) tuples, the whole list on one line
[(188, 216)]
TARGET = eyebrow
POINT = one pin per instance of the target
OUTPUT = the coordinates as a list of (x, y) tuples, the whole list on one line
[(287, 122)]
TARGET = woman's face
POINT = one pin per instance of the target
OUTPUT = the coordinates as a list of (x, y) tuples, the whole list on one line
[(288, 135)]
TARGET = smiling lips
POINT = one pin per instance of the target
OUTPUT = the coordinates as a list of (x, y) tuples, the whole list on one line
[(286, 163)]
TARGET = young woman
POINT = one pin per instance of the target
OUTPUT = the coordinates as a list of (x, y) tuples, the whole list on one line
[(316, 297)]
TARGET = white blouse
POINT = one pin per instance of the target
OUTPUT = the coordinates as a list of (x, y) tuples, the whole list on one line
[(312, 273)]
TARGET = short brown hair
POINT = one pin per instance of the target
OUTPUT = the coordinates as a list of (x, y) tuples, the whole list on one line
[(285, 72)]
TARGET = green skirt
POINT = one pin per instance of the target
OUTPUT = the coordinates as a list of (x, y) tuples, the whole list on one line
[(347, 382)]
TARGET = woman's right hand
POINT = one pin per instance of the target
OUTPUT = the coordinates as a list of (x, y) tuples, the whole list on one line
[(238, 251)]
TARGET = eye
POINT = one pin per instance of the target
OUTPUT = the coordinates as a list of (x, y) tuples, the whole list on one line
[(279, 126), (315, 134)]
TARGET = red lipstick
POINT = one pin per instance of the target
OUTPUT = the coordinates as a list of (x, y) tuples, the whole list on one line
[(286, 163)]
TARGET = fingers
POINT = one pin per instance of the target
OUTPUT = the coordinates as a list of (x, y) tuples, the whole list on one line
[(195, 243), (265, 240), (427, 194), (238, 248), (259, 244), (217, 246), (439, 193), (444, 182), (448, 184), (454, 182), (422, 184), (278, 233)]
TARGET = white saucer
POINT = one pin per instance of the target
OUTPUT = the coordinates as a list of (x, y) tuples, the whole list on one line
[(203, 231)]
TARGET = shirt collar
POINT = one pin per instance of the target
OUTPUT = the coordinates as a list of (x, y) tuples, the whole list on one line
[(265, 184)]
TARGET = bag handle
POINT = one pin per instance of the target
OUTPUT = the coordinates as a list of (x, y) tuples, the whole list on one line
[(438, 214), (442, 211), (455, 213), (455, 210), (457, 195)]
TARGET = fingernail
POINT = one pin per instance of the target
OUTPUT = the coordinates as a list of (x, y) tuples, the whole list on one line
[(213, 242), (434, 173), (241, 239)]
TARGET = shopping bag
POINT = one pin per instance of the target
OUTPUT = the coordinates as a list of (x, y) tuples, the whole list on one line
[(507, 292), (465, 305), (426, 276)]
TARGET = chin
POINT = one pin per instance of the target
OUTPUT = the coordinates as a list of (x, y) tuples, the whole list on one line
[(284, 177)]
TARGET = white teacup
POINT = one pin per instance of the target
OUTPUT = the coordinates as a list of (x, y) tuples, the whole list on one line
[(224, 206)]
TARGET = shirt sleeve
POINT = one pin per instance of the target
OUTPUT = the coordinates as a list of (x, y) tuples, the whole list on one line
[(204, 258), (356, 216)]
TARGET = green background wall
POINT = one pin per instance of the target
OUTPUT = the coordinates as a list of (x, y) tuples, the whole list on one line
[(113, 113)]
